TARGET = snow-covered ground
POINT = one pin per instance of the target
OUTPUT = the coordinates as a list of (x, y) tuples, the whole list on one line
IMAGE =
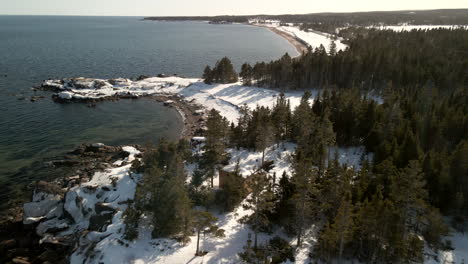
[(110, 247), (311, 38), (314, 38), (457, 256), (350, 156), (412, 27), (251, 161), (113, 249), (116, 185), (226, 98)]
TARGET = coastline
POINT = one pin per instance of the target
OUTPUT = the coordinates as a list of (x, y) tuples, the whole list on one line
[(20, 241), (193, 122), (300, 46), (93, 191)]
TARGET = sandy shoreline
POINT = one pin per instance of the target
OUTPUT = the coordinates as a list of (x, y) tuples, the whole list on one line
[(298, 44)]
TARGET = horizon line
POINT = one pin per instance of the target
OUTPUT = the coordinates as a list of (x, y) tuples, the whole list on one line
[(250, 15)]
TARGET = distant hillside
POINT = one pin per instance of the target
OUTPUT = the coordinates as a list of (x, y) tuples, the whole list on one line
[(414, 17)]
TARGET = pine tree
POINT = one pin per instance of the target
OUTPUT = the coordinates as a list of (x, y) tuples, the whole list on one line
[(264, 134), (410, 150), (409, 195), (224, 72), (303, 121), (281, 118), (162, 192), (374, 224), (337, 234), (232, 192), (208, 75), (284, 205), (303, 179), (171, 208), (343, 223), (246, 74), (216, 140), (459, 174), (202, 220), (260, 202), (324, 138), (332, 49)]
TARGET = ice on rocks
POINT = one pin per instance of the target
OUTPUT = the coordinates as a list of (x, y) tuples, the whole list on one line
[(45, 207)]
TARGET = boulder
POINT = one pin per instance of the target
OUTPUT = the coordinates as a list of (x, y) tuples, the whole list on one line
[(100, 208), (100, 222), (119, 81), (82, 83), (98, 84), (65, 95), (49, 256), (73, 206), (35, 211), (142, 77), (52, 226), (98, 145), (7, 244), (42, 188)]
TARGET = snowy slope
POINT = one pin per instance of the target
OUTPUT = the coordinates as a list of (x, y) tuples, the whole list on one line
[(314, 38), (412, 27), (113, 249), (226, 98), (311, 38), (108, 246), (250, 161)]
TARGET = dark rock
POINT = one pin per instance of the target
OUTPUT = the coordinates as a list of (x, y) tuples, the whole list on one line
[(35, 98), (18, 252), (142, 77), (99, 84), (48, 187), (99, 222), (55, 230), (7, 244), (162, 75), (102, 166), (124, 202), (58, 243), (90, 189), (100, 208), (50, 256), (66, 163)]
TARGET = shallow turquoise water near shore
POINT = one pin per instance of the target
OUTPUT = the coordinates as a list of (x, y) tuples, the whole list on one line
[(34, 48)]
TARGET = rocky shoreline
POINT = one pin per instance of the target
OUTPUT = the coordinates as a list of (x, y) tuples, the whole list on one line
[(45, 230), (26, 237), (92, 91)]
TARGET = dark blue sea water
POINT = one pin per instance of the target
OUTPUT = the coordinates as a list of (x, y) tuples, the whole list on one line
[(34, 48)]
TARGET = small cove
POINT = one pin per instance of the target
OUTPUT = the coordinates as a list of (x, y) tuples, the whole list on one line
[(34, 48)]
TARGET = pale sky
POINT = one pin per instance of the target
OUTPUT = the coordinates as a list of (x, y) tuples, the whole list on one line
[(211, 7)]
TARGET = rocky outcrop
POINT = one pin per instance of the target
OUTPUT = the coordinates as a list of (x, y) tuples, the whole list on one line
[(62, 210), (94, 90)]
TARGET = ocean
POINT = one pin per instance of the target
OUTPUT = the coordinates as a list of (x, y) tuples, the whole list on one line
[(34, 48)]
